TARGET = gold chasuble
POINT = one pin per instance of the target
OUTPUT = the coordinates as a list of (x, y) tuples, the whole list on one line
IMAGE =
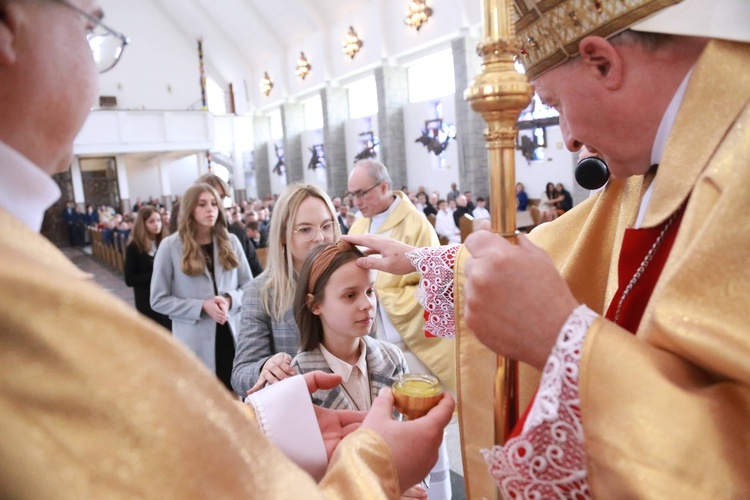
[(666, 413), (96, 402), (397, 293)]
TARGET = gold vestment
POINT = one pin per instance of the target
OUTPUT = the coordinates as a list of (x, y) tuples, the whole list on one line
[(96, 402), (666, 413)]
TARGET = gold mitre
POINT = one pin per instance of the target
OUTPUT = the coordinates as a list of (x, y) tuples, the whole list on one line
[(550, 30)]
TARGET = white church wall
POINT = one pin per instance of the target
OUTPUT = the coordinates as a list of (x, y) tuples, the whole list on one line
[(354, 142), (159, 68), (315, 176), (278, 182), (448, 17), (316, 55), (144, 179), (557, 166), (182, 173), (367, 23), (424, 168)]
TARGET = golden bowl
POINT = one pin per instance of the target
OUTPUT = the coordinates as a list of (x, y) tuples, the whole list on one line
[(416, 394)]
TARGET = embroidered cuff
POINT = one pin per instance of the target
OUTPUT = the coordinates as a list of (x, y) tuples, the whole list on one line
[(435, 291)]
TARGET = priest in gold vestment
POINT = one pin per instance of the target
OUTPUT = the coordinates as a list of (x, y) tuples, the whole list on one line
[(633, 304), (97, 401)]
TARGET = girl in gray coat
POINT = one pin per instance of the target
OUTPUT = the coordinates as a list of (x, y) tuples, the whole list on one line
[(198, 279)]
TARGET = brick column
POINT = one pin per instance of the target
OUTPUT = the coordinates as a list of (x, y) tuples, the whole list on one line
[(474, 174), (261, 137), (335, 103), (393, 93), (293, 123)]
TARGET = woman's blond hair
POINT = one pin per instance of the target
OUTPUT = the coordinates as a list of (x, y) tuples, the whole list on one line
[(193, 262), (280, 268), (140, 236)]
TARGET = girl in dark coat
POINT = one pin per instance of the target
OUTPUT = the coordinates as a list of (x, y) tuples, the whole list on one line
[(139, 260)]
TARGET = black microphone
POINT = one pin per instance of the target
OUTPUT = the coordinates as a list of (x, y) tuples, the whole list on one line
[(592, 173)]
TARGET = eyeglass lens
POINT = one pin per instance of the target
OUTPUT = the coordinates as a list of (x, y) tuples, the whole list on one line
[(106, 48), (309, 232)]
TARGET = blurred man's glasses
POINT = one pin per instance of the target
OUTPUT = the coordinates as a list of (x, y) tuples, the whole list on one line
[(307, 232), (106, 44), (360, 194)]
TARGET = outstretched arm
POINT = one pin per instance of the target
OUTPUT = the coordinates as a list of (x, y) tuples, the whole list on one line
[(392, 253)]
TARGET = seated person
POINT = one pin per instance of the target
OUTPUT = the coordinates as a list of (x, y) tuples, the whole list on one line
[(522, 199), (445, 226)]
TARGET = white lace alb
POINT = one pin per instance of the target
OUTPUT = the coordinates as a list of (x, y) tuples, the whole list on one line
[(547, 460)]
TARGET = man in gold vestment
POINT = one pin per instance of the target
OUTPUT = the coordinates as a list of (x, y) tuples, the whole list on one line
[(95, 401), (389, 213), (634, 303), (400, 317)]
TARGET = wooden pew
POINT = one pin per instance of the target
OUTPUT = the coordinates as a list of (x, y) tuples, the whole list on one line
[(466, 226), (262, 255), (443, 240)]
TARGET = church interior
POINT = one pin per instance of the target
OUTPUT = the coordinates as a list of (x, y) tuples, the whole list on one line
[(267, 94)]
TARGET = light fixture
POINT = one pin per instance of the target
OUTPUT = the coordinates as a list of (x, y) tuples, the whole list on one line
[(417, 14), (303, 67), (352, 43), (266, 85)]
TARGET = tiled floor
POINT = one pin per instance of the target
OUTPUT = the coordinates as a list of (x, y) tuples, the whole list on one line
[(104, 276), (107, 278)]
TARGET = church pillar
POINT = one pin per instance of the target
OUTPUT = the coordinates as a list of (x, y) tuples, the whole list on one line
[(261, 162), (335, 103), (472, 157), (293, 123), (393, 93)]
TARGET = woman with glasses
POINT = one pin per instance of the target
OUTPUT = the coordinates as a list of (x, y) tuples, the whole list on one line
[(303, 218)]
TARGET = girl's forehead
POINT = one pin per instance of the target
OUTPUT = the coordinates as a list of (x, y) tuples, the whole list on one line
[(349, 274)]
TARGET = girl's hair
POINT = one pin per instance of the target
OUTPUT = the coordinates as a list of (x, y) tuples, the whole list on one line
[(319, 266), (140, 236), (193, 263), (280, 268), (551, 191)]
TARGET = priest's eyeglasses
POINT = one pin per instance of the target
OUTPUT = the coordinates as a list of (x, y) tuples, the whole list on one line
[(308, 232), (106, 44), (361, 194)]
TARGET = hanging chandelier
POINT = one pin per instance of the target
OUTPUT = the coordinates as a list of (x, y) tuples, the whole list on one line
[(352, 43), (303, 66), (417, 14), (266, 85)]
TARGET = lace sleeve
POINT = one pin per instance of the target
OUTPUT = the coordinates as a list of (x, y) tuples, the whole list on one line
[(547, 460), (435, 292)]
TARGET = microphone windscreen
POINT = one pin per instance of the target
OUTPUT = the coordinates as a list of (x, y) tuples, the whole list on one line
[(592, 173)]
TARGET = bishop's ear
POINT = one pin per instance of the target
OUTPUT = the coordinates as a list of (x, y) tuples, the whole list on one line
[(603, 60), (10, 14)]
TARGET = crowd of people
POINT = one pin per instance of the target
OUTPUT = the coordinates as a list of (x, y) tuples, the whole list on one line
[(202, 283)]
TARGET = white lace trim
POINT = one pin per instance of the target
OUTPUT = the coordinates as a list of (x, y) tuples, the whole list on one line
[(547, 460), (435, 291)]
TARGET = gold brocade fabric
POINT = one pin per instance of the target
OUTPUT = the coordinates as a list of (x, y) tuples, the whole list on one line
[(549, 31), (95, 402), (397, 293), (476, 394), (666, 412)]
